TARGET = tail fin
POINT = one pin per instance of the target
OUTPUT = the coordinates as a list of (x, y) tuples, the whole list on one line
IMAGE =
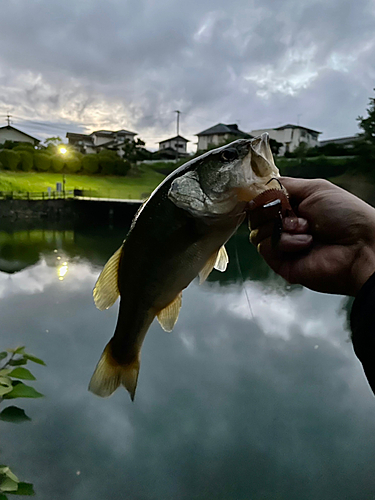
[(109, 374)]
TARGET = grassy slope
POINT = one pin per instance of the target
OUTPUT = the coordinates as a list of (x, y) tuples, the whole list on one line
[(132, 186)]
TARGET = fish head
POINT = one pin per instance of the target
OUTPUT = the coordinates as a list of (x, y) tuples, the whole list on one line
[(224, 180)]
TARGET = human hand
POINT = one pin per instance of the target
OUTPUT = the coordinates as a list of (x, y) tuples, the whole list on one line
[(329, 247)]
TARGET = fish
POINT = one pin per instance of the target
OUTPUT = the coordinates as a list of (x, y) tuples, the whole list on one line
[(178, 234)]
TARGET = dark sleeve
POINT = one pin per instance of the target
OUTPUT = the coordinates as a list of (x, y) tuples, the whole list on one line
[(362, 323)]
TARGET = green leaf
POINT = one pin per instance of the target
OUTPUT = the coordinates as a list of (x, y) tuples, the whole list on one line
[(4, 391), (17, 362), (8, 485), (5, 371), (17, 350), (11, 476), (5, 381), (26, 489), (3, 497), (3, 355), (23, 373), (14, 414), (20, 350), (34, 359), (5, 386), (21, 390)]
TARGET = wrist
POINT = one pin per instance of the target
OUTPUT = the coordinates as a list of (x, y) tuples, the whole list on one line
[(363, 267)]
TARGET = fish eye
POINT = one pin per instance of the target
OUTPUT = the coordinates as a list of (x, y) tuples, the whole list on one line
[(229, 154)]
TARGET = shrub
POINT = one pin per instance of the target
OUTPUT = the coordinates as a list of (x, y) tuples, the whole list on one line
[(73, 164), (26, 163), (57, 163), (122, 167), (24, 146), (42, 162), (90, 164), (10, 159), (107, 162)]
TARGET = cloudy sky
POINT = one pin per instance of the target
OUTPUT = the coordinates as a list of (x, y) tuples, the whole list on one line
[(88, 64)]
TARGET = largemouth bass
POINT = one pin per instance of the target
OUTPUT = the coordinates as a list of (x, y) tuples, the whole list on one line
[(177, 234)]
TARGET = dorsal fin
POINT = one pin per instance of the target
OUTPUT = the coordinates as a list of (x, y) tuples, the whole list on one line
[(218, 260), (106, 288), (168, 316)]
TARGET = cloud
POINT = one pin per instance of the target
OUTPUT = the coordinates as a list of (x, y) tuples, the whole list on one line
[(230, 403), (90, 65)]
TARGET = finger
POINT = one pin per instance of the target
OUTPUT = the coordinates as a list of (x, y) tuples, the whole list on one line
[(291, 243), (262, 232), (299, 189), (295, 225)]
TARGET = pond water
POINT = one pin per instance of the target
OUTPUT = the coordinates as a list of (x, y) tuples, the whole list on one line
[(255, 395)]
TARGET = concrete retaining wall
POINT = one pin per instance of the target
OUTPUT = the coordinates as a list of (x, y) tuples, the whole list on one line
[(68, 210)]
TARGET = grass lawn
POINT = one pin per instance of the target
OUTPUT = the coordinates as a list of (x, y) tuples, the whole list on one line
[(134, 186)]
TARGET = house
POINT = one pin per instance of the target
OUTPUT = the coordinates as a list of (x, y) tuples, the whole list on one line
[(99, 140), (9, 133), (346, 142), (219, 134), (290, 136), (175, 145)]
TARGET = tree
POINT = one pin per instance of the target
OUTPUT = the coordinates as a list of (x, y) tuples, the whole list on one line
[(368, 124), (54, 141), (134, 150), (275, 146)]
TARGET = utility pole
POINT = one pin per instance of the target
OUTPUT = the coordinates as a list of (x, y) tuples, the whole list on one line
[(178, 132), (8, 119)]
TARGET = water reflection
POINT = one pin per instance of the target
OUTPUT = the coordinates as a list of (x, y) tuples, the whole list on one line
[(236, 403)]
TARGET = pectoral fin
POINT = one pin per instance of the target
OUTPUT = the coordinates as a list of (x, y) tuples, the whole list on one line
[(168, 316), (106, 288), (218, 260), (222, 260)]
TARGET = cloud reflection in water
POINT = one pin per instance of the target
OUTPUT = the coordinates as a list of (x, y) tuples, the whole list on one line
[(229, 406)]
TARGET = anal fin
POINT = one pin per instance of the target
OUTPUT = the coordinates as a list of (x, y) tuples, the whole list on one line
[(168, 316), (106, 289)]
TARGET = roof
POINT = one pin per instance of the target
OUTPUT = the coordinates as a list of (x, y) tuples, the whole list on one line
[(173, 138), (111, 133), (289, 125), (340, 140), (73, 135), (125, 132), (20, 131), (221, 128)]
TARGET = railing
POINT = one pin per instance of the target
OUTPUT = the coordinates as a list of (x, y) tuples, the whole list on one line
[(55, 195), (32, 195)]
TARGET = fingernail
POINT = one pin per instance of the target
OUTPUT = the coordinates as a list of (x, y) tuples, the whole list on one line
[(253, 236), (290, 223)]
